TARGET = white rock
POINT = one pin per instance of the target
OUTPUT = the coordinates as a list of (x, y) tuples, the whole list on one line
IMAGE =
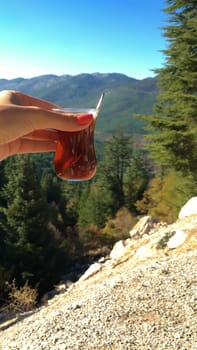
[(143, 226), (92, 270), (190, 208), (177, 239), (145, 251), (118, 250), (127, 241)]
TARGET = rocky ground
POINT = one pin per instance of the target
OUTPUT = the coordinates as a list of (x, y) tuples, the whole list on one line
[(144, 298)]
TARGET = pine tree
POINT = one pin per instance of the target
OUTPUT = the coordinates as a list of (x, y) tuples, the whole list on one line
[(57, 202), (174, 125), (5, 271), (117, 157), (103, 196), (136, 179), (94, 205), (32, 253)]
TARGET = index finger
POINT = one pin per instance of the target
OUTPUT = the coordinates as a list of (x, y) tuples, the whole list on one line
[(64, 121)]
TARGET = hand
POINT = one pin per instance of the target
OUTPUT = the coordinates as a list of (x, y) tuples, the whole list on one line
[(29, 125)]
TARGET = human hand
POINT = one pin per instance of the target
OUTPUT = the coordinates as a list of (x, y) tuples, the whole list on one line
[(32, 129)]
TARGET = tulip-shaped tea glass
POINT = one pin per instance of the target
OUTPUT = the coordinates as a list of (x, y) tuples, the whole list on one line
[(75, 157)]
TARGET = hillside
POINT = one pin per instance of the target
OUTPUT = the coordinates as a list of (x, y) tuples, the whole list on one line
[(143, 296), (125, 96)]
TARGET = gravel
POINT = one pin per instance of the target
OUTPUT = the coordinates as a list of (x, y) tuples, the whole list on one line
[(152, 306)]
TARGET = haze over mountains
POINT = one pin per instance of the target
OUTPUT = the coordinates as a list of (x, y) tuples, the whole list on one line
[(124, 96)]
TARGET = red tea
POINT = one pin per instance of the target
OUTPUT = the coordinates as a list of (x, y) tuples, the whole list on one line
[(75, 157)]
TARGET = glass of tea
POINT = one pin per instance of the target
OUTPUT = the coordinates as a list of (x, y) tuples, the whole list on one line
[(75, 157)]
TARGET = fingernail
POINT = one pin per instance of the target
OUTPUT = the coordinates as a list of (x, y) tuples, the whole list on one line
[(84, 119)]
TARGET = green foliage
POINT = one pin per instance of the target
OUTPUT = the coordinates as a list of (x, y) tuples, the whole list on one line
[(136, 179), (118, 154), (56, 202), (162, 243), (165, 196), (97, 241), (119, 227), (174, 125), (102, 197), (91, 210), (121, 179), (31, 252)]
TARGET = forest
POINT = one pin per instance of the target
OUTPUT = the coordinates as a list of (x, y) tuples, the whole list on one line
[(47, 225)]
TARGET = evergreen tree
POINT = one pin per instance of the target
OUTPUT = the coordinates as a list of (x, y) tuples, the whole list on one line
[(136, 179), (95, 203), (117, 157), (56, 202), (175, 120), (102, 197), (4, 272), (31, 251)]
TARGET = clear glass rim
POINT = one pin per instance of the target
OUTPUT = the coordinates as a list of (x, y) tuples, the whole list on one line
[(76, 110), (94, 111)]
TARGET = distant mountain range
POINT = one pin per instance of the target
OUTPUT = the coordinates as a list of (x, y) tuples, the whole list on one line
[(124, 96)]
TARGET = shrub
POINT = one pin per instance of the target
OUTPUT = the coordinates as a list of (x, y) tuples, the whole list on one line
[(119, 227), (165, 196), (21, 299)]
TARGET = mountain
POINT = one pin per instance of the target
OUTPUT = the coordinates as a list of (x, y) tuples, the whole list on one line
[(124, 96)]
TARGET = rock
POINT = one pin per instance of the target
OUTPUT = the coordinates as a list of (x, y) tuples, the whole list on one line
[(118, 250), (92, 270), (145, 251), (102, 260), (177, 239), (60, 288), (143, 226), (190, 208)]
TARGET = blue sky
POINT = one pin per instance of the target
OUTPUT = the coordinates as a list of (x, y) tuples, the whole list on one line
[(85, 36)]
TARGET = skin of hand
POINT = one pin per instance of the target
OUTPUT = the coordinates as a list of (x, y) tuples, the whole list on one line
[(30, 125)]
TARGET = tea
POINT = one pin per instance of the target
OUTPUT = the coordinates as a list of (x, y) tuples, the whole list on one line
[(75, 157)]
